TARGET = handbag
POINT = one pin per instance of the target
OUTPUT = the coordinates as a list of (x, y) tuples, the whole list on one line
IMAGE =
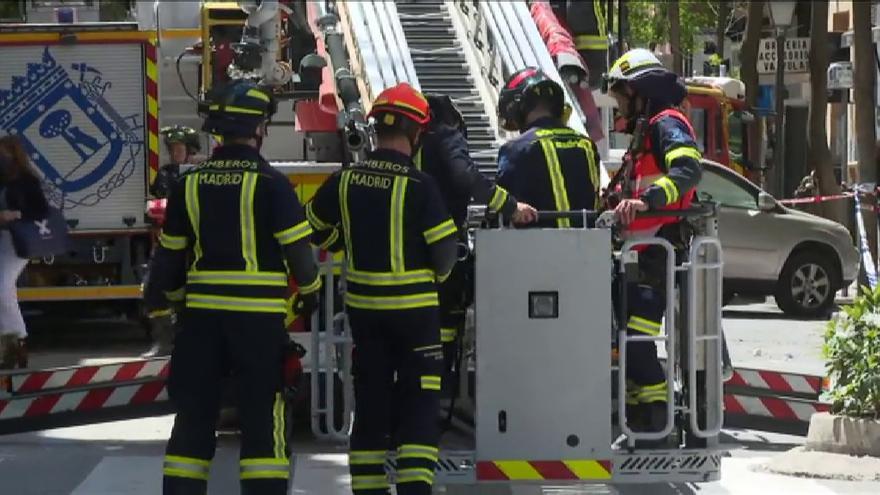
[(38, 238)]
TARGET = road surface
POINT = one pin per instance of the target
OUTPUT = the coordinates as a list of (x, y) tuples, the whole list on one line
[(125, 457)]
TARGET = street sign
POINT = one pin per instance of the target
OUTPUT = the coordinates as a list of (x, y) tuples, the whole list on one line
[(840, 75), (797, 55)]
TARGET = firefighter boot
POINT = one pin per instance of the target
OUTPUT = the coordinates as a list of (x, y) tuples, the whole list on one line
[(162, 330)]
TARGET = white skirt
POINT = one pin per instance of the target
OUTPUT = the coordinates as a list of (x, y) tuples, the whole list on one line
[(11, 266)]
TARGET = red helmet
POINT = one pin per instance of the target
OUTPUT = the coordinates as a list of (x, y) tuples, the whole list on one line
[(401, 100)]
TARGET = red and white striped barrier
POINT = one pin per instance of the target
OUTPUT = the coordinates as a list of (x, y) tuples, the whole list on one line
[(772, 407), (776, 382), (81, 376), (815, 199), (83, 400)]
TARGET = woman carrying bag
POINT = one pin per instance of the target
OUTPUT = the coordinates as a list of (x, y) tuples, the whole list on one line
[(21, 198)]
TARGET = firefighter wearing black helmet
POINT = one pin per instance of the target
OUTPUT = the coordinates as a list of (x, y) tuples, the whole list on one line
[(660, 172), (549, 166), (400, 242), (182, 143), (236, 228), (444, 155)]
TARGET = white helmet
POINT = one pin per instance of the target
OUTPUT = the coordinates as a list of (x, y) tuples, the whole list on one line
[(632, 65)]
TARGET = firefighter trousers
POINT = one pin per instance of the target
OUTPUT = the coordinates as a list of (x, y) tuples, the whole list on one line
[(211, 347), (646, 379), (453, 296), (397, 377)]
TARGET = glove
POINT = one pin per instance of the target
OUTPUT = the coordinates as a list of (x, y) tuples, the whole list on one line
[(304, 304)]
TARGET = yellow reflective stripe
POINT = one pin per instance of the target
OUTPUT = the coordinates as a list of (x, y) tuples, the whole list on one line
[(392, 302), (398, 197), (346, 219), (256, 93), (312, 287), (235, 109), (279, 432), (443, 276), (558, 132), (186, 467), (431, 382), (448, 334), (172, 242), (557, 181), (192, 210), (642, 325), (248, 227), (294, 233), (159, 313), (217, 277), (599, 12), (415, 475), (417, 447), (519, 470), (369, 482), (228, 303), (499, 198), (417, 160), (366, 457), (440, 231), (389, 278), (587, 469), (591, 42), (589, 150), (175, 295), (265, 468), (670, 190), (314, 220), (331, 239), (688, 151)]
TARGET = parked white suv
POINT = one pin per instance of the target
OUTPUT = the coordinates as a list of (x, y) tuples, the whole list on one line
[(800, 259)]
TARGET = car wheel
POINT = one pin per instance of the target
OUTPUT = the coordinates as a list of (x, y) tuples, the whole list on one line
[(807, 285)]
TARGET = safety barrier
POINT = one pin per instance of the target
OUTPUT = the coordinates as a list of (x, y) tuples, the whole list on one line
[(771, 399)]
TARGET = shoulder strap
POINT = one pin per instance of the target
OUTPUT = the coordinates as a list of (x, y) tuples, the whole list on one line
[(674, 113)]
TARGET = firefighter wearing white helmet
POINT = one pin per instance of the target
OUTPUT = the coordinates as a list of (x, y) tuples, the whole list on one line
[(660, 172)]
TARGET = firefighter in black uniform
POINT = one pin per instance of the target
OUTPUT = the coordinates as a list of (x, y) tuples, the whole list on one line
[(661, 171), (549, 166), (182, 144), (236, 227), (444, 155), (399, 242)]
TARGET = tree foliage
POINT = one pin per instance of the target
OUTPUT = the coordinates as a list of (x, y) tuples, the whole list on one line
[(648, 20)]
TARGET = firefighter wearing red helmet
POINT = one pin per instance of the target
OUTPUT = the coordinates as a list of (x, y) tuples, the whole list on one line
[(400, 242), (549, 166), (660, 172), (234, 231)]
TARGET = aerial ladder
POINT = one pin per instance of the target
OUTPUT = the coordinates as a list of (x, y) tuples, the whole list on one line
[(561, 418)]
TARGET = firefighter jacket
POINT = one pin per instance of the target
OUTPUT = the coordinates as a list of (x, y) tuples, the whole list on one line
[(238, 225), (666, 170), (398, 237), (166, 176), (552, 168), (444, 156)]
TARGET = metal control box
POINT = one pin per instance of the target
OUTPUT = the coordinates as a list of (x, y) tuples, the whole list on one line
[(543, 344)]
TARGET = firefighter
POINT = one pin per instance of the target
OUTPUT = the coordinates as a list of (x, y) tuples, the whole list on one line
[(182, 144), (660, 173), (399, 242), (549, 166), (444, 155), (235, 225)]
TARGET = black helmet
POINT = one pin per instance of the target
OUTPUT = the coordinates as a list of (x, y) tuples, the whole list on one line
[(522, 92), (237, 109), (444, 111), (182, 134)]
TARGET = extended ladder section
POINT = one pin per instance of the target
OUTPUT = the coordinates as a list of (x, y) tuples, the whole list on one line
[(464, 49)]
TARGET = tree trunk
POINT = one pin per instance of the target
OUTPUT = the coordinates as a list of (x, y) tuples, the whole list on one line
[(863, 82), (749, 69), (818, 154), (675, 36), (721, 26)]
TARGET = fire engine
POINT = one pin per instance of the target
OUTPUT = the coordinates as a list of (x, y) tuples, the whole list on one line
[(89, 97)]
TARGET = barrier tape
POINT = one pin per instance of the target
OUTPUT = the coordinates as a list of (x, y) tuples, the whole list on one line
[(864, 250), (815, 199)]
